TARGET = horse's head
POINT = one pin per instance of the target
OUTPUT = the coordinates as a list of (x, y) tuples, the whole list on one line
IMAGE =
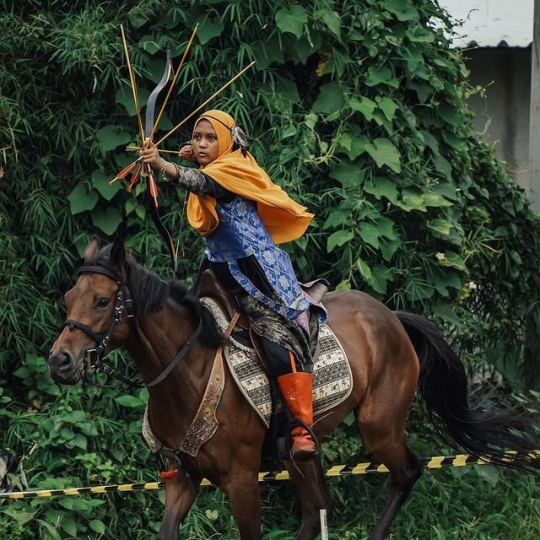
[(96, 320)]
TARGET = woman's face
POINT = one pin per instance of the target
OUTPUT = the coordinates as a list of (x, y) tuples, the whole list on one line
[(204, 143)]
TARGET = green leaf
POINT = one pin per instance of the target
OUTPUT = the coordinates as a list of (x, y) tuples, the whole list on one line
[(129, 401), (330, 99), (338, 239), (265, 53), (353, 142), (402, 9), (382, 187), (389, 247), (124, 97), (331, 19), (388, 107), (369, 234), (412, 199), (209, 29), (364, 269), (413, 57), (364, 106), (385, 228), (69, 525), (348, 174), (442, 165), (111, 137), (436, 200), (148, 44), (383, 153), (19, 515), (107, 220), (303, 49), (51, 532), (97, 526), (453, 260), (101, 183), (381, 75), (82, 199), (451, 114), (292, 20), (381, 275), (489, 474), (336, 218), (418, 34), (441, 226)]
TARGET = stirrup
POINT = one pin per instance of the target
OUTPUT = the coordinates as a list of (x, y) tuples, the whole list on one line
[(300, 453)]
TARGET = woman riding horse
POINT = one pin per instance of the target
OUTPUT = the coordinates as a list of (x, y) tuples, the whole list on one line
[(242, 215)]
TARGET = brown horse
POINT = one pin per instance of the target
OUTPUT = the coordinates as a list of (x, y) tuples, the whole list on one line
[(116, 303)]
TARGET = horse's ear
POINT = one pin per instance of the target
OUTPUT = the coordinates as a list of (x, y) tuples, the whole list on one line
[(91, 249), (117, 258)]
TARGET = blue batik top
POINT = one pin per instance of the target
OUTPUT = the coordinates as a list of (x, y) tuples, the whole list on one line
[(241, 234)]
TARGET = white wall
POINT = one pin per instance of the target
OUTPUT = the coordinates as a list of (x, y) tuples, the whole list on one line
[(503, 114)]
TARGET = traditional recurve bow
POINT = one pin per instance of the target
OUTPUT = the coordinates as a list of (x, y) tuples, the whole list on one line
[(147, 172), (142, 169)]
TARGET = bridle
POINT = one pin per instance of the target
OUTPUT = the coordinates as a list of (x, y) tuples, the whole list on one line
[(96, 358)]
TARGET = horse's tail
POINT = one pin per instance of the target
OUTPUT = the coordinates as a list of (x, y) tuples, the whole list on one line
[(444, 389)]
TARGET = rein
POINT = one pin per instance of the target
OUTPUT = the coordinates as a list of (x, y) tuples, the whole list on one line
[(95, 358)]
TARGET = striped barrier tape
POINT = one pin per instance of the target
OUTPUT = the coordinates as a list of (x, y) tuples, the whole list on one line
[(460, 460)]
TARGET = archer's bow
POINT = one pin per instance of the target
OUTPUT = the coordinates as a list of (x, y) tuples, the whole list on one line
[(148, 173), (149, 125)]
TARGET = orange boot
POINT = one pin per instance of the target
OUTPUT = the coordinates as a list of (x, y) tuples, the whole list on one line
[(297, 390)]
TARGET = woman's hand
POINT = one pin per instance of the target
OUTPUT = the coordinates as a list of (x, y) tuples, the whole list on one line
[(186, 152), (150, 155)]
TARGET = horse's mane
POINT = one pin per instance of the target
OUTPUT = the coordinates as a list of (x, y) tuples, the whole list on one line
[(149, 293)]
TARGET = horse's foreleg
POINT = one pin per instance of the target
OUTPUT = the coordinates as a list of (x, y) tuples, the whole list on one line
[(308, 476), (180, 492), (243, 492)]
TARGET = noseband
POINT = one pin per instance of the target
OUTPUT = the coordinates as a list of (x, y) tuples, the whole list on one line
[(95, 357)]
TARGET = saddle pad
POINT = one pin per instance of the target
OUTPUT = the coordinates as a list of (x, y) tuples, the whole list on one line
[(332, 377)]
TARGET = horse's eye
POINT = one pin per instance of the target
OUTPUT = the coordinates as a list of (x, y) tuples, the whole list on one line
[(103, 302)]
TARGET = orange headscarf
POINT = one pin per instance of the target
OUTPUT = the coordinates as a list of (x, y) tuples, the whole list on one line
[(284, 219)]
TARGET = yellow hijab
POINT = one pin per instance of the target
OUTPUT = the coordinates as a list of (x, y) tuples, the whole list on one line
[(284, 219)]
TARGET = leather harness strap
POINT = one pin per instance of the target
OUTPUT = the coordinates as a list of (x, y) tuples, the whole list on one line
[(205, 422)]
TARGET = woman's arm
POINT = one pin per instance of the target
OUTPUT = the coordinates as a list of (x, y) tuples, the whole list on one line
[(187, 177)]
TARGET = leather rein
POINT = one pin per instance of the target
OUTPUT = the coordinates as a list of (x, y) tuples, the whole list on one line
[(96, 358)]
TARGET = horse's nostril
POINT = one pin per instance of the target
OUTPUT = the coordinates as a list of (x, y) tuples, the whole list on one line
[(60, 361)]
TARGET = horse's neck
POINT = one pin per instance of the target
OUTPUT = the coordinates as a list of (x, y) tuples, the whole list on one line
[(155, 344)]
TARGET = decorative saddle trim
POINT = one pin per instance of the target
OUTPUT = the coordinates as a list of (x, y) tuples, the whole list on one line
[(332, 377), (205, 422)]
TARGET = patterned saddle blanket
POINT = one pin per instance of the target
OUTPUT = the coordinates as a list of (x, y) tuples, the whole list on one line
[(332, 377)]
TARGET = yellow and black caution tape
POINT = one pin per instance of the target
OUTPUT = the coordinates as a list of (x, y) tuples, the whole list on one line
[(460, 460)]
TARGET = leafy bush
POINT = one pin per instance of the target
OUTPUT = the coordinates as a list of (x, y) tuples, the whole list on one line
[(359, 110)]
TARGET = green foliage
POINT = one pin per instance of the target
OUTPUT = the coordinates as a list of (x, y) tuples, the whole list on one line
[(359, 110)]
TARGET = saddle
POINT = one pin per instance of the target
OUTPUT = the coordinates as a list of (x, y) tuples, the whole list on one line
[(332, 378), (210, 287)]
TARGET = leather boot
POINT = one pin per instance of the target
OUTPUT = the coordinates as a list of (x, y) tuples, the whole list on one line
[(297, 390)]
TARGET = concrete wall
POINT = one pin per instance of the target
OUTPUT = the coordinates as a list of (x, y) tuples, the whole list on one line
[(502, 114)]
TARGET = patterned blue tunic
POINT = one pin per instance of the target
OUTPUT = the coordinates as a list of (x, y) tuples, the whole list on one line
[(241, 234)]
